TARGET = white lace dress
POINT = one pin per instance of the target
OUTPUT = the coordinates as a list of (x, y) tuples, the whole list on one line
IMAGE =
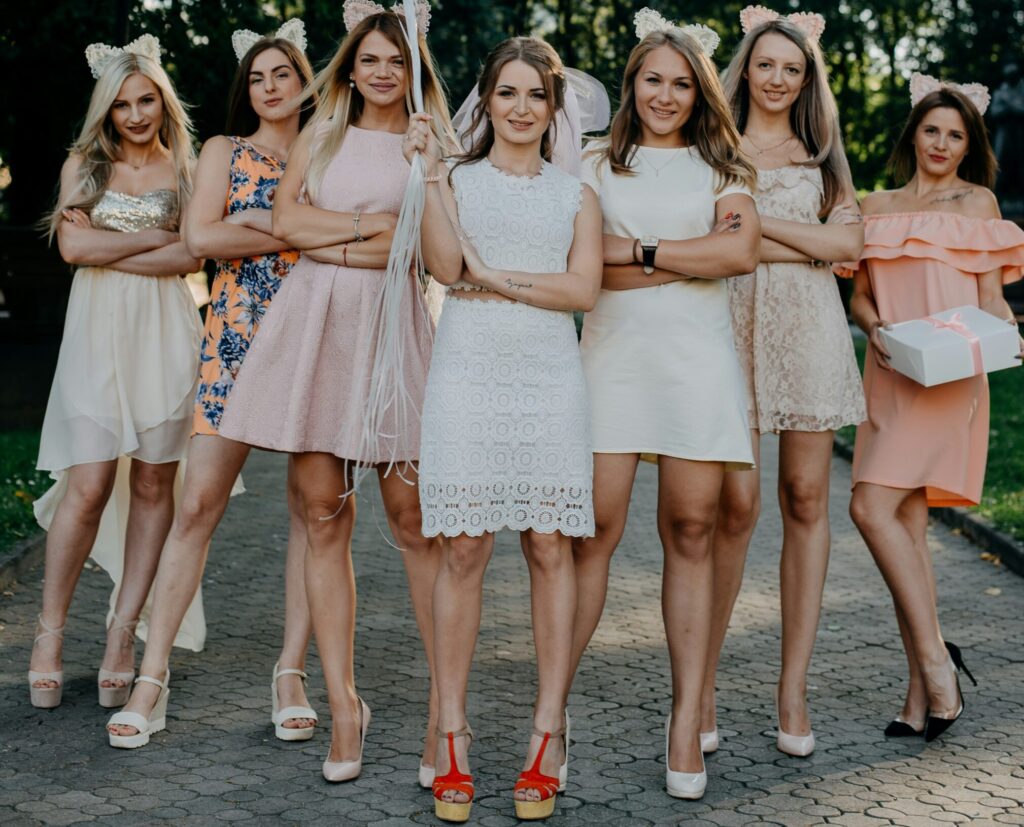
[(505, 429), (791, 332)]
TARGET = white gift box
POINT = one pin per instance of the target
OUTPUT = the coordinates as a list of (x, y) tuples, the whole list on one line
[(951, 345)]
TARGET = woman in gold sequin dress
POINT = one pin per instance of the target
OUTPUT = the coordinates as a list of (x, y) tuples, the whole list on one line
[(120, 407)]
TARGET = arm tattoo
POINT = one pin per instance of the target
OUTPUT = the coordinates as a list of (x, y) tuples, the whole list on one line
[(517, 285)]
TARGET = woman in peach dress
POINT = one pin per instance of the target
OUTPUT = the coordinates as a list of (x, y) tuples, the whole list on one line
[(933, 244)]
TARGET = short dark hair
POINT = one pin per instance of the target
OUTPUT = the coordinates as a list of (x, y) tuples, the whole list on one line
[(242, 118), (978, 166)]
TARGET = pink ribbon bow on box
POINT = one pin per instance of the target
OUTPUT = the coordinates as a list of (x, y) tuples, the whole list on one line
[(956, 324)]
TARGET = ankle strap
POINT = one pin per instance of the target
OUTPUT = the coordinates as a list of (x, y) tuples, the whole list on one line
[(147, 679), (299, 672), (467, 731), (49, 630), (552, 733), (119, 624)]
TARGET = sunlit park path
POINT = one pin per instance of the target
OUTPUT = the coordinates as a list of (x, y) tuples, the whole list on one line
[(218, 760)]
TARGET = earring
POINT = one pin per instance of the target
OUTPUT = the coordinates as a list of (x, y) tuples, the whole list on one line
[(351, 82)]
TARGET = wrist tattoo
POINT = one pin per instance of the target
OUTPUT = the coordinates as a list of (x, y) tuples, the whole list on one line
[(517, 285)]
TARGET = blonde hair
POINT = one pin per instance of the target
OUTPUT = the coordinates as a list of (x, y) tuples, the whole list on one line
[(98, 142), (709, 128), (814, 118), (341, 105)]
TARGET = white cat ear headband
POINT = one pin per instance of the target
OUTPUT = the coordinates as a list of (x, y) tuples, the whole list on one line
[(811, 24), (294, 31), (99, 55), (356, 11), (976, 93), (648, 20)]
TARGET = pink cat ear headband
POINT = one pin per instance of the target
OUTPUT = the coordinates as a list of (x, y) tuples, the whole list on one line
[(921, 85), (811, 24), (356, 11)]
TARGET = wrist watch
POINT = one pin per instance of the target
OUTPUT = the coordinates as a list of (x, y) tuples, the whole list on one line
[(649, 246)]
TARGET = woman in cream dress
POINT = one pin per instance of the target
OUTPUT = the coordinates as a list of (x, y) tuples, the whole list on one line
[(121, 402), (658, 351)]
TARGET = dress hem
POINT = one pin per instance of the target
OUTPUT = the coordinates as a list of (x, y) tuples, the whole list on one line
[(945, 502)]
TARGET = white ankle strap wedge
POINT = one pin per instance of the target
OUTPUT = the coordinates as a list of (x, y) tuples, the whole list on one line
[(145, 726), (279, 716)]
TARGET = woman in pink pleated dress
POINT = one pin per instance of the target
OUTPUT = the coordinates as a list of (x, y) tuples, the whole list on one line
[(935, 243)]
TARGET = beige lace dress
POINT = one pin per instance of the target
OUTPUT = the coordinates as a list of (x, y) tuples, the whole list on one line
[(790, 329)]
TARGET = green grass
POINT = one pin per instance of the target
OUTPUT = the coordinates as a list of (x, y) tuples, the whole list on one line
[(1002, 500), (20, 485)]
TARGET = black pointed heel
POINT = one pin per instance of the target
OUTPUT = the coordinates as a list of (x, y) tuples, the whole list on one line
[(899, 728), (935, 726)]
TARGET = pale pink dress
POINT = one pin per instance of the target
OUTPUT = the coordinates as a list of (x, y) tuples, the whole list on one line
[(304, 384), (921, 263)]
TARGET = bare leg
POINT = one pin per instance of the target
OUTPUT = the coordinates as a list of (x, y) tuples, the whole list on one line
[(875, 510), (688, 496), (804, 462), (422, 558), (213, 463), (613, 483), (68, 543), (298, 627), (553, 604), (331, 590), (149, 519), (458, 596), (738, 511)]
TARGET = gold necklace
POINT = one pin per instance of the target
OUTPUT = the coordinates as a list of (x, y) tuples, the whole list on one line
[(761, 151), (657, 170)]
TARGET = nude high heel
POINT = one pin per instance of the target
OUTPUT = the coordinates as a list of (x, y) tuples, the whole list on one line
[(146, 725), (336, 771), (279, 716), (46, 697), (689, 785), (799, 746), (111, 697)]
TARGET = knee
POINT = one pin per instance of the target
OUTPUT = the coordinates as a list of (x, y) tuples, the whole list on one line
[(465, 558), (89, 497), (547, 552), (689, 535), (328, 520), (861, 513), (407, 525), (804, 501), (151, 484), (738, 514), (193, 511)]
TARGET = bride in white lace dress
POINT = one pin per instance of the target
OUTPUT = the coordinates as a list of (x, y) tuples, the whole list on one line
[(505, 430)]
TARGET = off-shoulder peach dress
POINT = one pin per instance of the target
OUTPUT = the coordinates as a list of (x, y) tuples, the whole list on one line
[(937, 438)]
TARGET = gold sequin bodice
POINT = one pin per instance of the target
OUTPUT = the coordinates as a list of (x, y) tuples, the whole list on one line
[(130, 213)]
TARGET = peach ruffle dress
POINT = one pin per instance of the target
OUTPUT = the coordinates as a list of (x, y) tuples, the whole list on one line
[(921, 263)]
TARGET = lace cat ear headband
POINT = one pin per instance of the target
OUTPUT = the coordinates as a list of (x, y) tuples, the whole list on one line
[(294, 31), (811, 24), (356, 11), (921, 85), (99, 55), (648, 20)]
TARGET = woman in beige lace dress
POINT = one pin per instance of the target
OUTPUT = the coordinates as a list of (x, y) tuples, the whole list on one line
[(792, 338)]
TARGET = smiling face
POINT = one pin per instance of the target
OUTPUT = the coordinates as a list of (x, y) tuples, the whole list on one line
[(940, 141), (137, 112), (519, 108), (776, 73), (379, 71), (665, 92), (273, 82)]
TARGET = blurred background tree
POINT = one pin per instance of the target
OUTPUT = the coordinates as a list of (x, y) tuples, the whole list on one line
[(872, 46)]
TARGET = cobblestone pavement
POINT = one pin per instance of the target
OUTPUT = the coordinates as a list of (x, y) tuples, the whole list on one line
[(218, 761)]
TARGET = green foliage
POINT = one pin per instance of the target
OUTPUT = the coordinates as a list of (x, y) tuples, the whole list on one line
[(20, 485), (872, 46)]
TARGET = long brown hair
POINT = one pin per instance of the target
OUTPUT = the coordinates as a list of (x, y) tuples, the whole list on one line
[(979, 164), (710, 127), (242, 118), (814, 118), (341, 105), (535, 53)]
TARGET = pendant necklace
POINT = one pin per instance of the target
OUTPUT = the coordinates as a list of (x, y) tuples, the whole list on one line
[(761, 151), (657, 170)]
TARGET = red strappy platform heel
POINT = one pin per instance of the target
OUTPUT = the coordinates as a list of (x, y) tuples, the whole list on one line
[(453, 780), (534, 779)]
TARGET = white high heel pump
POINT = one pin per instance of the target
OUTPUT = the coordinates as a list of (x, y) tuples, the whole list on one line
[(156, 721), (336, 771), (690, 785)]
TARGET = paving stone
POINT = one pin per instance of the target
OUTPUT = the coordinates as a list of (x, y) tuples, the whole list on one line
[(218, 761)]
